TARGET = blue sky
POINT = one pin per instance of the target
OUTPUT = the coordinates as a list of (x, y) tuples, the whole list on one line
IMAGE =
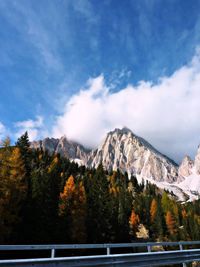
[(50, 49)]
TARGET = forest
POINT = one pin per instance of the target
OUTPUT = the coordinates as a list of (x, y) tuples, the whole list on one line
[(45, 198)]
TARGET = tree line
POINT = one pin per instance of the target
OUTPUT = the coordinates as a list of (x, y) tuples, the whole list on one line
[(45, 198)]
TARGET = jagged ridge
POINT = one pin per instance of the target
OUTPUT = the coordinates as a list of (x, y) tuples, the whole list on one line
[(121, 149)]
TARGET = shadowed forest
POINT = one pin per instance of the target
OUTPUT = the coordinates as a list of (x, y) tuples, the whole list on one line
[(45, 198)]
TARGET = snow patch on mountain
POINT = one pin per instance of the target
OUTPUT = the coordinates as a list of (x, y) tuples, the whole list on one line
[(191, 185)]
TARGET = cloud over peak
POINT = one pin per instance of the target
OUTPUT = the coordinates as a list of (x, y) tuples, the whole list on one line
[(166, 113), (33, 127)]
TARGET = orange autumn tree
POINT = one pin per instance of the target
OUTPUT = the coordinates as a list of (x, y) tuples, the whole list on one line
[(133, 223), (72, 209), (156, 226), (171, 224)]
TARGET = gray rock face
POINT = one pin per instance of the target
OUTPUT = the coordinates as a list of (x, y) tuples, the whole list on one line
[(197, 162), (46, 144), (64, 147), (185, 169), (189, 167), (123, 150)]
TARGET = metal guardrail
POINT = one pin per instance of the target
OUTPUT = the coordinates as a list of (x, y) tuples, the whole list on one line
[(148, 258)]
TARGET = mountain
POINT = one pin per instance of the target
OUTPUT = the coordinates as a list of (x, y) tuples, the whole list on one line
[(122, 149), (189, 175), (63, 146)]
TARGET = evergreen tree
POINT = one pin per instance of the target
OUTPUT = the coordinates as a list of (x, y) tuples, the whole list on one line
[(45, 180), (24, 145), (99, 207), (124, 210)]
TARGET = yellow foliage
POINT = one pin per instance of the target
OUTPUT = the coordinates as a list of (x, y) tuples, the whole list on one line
[(113, 188), (68, 190), (53, 164), (73, 206)]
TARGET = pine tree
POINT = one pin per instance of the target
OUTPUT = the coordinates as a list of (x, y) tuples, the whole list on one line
[(166, 202), (135, 184), (45, 184), (124, 210), (99, 207), (24, 145)]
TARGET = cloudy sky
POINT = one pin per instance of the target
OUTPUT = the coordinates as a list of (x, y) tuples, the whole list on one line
[(84, 67)]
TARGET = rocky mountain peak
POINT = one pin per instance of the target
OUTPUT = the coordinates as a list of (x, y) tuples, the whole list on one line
[(126, 151), (124, 130), (185, 168), (64, 147), (118, 134), (46, 144)]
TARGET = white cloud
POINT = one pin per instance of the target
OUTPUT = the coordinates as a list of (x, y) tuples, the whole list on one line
[(33, 127), (167, 114), (2, 131)]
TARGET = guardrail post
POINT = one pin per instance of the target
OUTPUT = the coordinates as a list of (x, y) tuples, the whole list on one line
[(53, 253), (108, 250), (181, 248), (149, 248)]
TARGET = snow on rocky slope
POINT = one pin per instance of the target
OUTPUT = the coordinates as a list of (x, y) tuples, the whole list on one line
[(189, 176)]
